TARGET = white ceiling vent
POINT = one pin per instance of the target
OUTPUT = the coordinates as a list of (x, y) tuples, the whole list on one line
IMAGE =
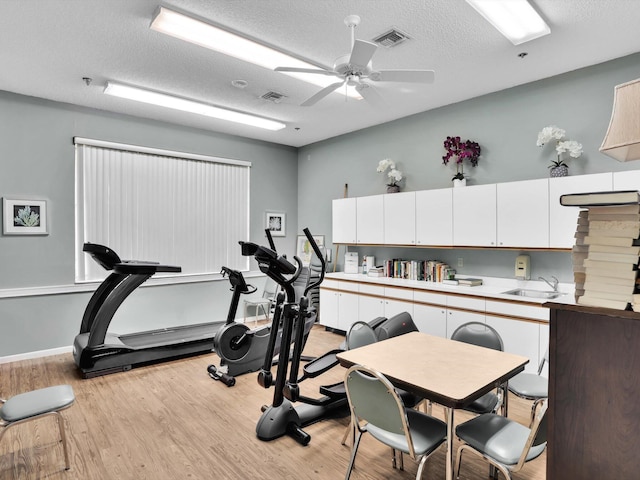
[(274, 97), (391, 38)]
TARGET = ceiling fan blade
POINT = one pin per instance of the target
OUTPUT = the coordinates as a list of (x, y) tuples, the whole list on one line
[(370, 94), (362, 53), (414, 76), (306, 70), (321, 94)]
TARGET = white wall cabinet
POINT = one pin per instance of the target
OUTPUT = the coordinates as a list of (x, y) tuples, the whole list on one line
[(626, 180), (523, 213), (344, 220), (474, 215), (370, 302), (434, 217), (370, 219), (400, 218), (430, 319), (562, 220)]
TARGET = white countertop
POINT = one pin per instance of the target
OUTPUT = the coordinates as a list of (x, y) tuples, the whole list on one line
[(492, 287)]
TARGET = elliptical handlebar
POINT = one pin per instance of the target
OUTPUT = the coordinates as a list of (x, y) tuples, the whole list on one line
[(320, 256)]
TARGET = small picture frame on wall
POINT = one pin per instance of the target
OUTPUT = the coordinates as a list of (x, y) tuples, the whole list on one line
[(304, 251), (275, 223), (24, 216)]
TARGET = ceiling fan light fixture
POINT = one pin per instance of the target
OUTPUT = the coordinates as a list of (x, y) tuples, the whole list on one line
[(190, 106), (223, 41), (515, 19)]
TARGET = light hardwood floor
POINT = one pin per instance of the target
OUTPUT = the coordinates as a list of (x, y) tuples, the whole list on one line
[(171, 421)]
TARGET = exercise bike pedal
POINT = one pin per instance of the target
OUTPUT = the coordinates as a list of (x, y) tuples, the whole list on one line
[(228, 380), (334, 391)]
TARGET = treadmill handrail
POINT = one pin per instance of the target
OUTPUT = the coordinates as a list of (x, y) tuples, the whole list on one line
[(144, 268)]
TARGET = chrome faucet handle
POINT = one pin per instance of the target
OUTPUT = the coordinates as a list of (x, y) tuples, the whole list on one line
[(553, 284)]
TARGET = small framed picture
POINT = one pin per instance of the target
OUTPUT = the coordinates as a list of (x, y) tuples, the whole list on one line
[(304, 250), (24, 216), (275, 223)]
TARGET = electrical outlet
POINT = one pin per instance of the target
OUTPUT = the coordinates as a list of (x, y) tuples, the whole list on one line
[(460, 262)]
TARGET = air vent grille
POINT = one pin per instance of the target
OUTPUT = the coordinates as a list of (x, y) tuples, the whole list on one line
[(274, 97), (391, 38)]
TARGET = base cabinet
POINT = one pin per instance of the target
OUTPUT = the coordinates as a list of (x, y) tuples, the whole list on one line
[(594, 387)]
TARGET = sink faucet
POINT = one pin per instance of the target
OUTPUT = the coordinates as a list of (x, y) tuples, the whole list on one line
[(553, 284)]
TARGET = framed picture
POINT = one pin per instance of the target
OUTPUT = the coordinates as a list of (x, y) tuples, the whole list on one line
[(24, 216), (275, 223), (304, 251)]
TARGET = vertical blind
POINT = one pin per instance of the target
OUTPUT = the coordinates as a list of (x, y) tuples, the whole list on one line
[(155, 205)]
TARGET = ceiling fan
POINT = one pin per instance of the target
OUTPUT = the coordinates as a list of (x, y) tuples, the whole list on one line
[(355, 68)]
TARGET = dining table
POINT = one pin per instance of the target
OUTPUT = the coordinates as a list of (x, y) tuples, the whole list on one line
[(447, 372)]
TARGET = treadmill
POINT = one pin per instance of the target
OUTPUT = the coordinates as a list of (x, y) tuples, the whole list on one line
[(98, 352)]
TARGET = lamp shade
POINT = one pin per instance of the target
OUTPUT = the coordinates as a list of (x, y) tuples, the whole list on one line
[(622, 140)]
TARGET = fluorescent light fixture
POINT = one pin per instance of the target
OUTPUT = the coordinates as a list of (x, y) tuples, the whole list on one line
[(191, 106), (515, 19), (223, 41)]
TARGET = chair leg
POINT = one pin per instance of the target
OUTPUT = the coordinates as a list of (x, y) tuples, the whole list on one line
[(350, 430), (356, 444), (421, 465), (63, 438)]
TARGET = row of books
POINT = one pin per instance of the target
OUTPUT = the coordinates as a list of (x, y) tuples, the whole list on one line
[(422, 270), (607, 249)]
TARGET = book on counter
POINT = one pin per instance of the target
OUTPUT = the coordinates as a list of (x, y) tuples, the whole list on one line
[(592, 199)]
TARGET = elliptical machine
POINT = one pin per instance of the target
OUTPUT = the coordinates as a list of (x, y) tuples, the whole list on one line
[(282, 417), (242, 350)]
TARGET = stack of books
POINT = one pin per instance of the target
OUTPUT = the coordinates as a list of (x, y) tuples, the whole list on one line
[(607, 248)]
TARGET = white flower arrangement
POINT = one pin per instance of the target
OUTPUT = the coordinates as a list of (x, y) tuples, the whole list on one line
[(573, 148), (393, 174)]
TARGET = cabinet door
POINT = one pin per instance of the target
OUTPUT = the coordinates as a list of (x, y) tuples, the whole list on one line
[(370, 308), (519, 337), (455, 318), (474, 215), (344, 220), (434, 217), (523, 213), (400, 218), (629, 180), (394, 307), (431, 320), (347, 310), (328, 308), (562, 220), (369, 219)]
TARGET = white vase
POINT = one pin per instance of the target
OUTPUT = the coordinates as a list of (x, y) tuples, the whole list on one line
[(459, 183)]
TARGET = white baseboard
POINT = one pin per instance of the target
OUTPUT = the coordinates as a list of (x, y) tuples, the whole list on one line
[(38, 354)]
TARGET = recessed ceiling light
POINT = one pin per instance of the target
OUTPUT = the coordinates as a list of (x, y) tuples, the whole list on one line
[(515, 19), (240, 83), (191, 106), (220, 40)]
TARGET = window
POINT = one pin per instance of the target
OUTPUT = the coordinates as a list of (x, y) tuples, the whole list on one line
[(156, 205)]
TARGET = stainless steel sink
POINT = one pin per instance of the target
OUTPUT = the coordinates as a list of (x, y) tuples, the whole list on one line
[(522, 292)]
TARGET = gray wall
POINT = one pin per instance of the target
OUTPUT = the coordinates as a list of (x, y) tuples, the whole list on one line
[(506, 125), (37, 159)]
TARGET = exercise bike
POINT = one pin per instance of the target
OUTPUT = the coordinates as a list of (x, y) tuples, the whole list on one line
[(282, 417), (242, 350)]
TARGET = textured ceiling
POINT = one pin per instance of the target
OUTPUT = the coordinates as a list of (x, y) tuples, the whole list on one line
[(47, 46)]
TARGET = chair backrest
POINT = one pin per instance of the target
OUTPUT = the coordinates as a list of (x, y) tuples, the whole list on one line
[(373, 399), (270, 289), (537, 437), (478, 333), (360, 334), (545, 359), (300, 283)]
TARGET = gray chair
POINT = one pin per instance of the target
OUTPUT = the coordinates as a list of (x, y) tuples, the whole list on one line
[(264, 303), (377, 409), (531, 386), (504, 443), (483, 335), (38, 404)]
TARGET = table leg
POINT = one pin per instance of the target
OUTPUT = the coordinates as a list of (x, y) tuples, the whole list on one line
[(449, 456)]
